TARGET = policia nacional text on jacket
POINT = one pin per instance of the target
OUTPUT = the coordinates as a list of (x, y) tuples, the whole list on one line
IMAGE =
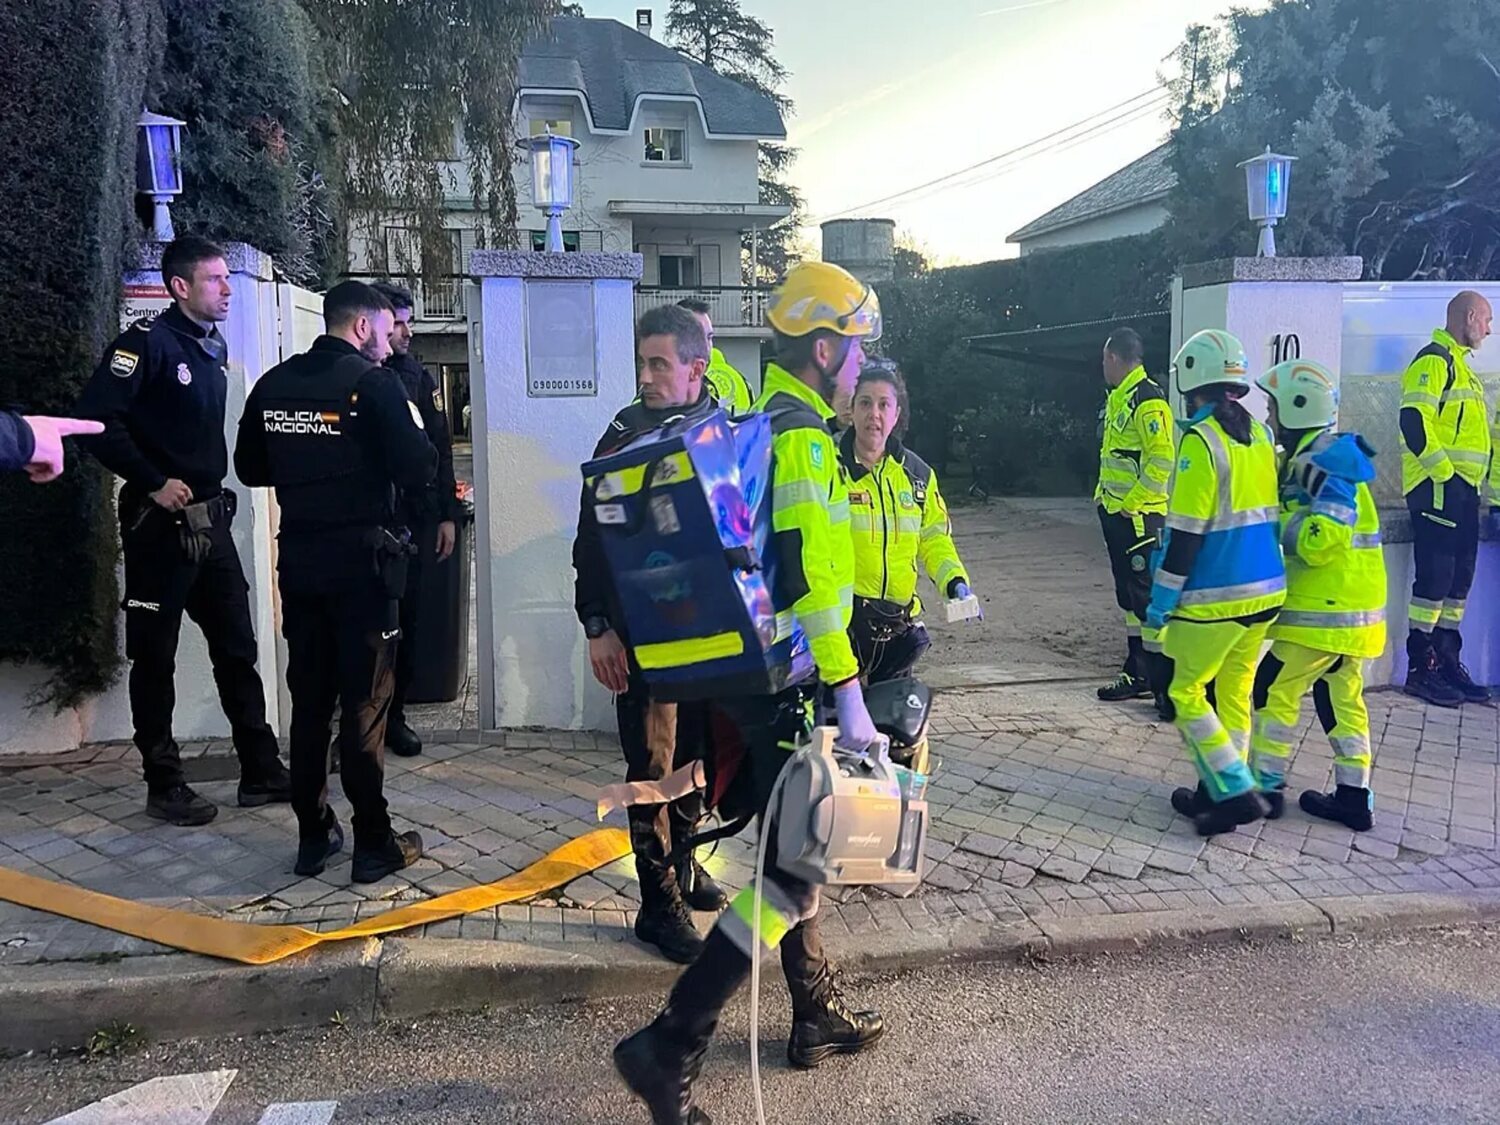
[(335, 435), (160, 392)]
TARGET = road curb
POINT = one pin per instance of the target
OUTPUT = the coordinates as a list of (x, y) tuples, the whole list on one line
[(182, 995)]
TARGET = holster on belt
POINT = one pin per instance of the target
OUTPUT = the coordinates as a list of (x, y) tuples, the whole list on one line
[(197, 521), (391, 552)]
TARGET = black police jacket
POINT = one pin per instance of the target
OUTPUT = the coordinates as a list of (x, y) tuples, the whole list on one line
[(335, 436), (593, 587), (439, 500), (160, 391)]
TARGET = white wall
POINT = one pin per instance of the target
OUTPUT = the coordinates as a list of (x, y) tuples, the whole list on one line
[(1141, 219)]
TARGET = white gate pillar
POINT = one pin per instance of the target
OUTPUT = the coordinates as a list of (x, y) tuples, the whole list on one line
[(551, 361)]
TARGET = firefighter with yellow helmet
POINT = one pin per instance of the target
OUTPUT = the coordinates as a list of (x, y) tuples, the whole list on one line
[(1220, 581), (1334, 616), (822, 317)]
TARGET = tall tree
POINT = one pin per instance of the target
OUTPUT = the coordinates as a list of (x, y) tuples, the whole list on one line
[(1393, 110), (411, 78), (727, 40)]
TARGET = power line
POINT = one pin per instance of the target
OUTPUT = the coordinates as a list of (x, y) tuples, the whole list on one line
[(1060, 146), (1154, 93)]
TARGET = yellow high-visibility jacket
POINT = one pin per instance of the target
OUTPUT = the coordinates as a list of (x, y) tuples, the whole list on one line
[(1442, 387), (1135, 461), (897, 519), (810, 518), (1335, 566), (727, 385)]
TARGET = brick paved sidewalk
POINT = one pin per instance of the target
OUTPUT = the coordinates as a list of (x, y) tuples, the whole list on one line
[(1046, 804)]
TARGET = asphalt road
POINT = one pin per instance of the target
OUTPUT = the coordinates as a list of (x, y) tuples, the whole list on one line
[(1341, 1031)]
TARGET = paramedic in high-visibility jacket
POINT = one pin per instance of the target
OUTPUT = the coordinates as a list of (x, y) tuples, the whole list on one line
[(822, 317), (1221, 579), (1135, 466), (1334, 616), (1445, 438), (899, 523)]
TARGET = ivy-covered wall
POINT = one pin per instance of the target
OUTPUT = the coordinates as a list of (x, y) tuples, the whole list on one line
[(76, 74)]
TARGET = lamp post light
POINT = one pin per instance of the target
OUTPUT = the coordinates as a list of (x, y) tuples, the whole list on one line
[(551, 180), (158, 167), (1268, 180)]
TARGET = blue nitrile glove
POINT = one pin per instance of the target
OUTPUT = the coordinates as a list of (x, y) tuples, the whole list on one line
[(1164, 600), (856, 728), (958, 590)]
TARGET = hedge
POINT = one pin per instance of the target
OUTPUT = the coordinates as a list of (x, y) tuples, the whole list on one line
[(77, 71)]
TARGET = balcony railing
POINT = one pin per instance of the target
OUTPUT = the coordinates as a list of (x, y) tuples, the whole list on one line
[(727, 307), (440, 300)]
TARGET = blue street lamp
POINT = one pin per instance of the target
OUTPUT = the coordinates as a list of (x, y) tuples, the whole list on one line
[(1268, 180), (158, 167), (551, 180)]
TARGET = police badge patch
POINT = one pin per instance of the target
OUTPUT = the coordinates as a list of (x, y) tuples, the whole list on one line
[(123, 364), (437, 400), (184, 374)]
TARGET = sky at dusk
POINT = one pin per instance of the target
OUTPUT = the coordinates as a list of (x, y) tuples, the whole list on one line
[(892, 94)]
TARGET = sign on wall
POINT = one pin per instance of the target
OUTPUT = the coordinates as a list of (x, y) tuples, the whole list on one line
[(141, 301), (561, 347)]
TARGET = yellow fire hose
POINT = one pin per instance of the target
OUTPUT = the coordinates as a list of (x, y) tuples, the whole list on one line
[(255, 944)]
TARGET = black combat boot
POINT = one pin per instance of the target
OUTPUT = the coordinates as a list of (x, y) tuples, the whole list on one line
[(1423, 677), (178, 804), (315, 849), (1349, 805), (269, 785), (822, 1023), (400, 739), (664, 920), (1192, 802), (1275, 799), (1447, 646), (699, 889), (1227, 815), (395, 854), (660, 1062)]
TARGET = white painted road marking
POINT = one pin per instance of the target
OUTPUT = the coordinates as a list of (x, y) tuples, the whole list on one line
[(182, 1099), (299, 1113)]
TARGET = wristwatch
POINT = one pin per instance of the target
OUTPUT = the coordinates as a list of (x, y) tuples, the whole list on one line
[(596, 627)]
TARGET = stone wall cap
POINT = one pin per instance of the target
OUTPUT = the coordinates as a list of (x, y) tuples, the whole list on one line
[(580, 266), (1196, 275), (240, 256)]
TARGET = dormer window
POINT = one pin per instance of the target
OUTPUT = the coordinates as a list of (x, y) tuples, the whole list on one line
[(665, 145)]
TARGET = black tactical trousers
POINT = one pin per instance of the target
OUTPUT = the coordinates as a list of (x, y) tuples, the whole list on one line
[(161, 583), (339, 653)]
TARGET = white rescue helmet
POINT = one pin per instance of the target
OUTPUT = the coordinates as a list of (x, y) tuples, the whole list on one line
[(1211, 358), (1306, 394)]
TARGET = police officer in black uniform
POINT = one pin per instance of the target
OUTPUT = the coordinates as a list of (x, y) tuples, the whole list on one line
[(160, 393), (673, 355), (431, 513), (333, 433)]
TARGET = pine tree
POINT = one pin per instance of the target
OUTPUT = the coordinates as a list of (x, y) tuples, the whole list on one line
[(718, 34)]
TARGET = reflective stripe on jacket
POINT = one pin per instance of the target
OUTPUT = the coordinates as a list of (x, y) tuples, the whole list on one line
[(898, 519), (1135, 460), (1335, 565), (810, 516), (1455, 418), (1227, 493)]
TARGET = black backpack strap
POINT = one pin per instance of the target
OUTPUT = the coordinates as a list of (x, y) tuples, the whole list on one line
[(920, 474), (1436, 349)]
